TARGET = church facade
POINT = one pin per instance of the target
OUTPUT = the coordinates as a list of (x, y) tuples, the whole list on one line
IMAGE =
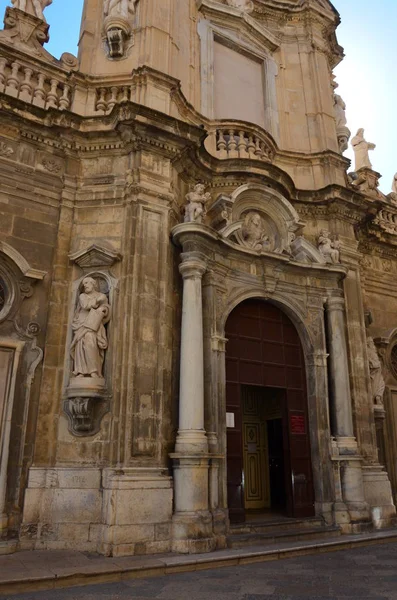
[(198, 300)]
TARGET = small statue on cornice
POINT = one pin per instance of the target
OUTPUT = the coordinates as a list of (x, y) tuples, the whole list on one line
[(253, 232), (195, 209), (361, 151), (375, 370), (32, 7), (246, 6), (119, 8), (329, 248)]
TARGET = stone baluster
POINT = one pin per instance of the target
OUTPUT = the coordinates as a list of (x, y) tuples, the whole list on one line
[(3, 65), (52, 96), (221, 145), (251, 146), (242, 145), (39, 93), (125, 94), (258, 149), (232, 145), (191, 436), (341, 416), (101, 102), (113, 98), (26, 89), (64, 100), (12, 88)]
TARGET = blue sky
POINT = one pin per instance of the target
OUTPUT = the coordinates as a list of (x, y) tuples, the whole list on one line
[(367, 76)]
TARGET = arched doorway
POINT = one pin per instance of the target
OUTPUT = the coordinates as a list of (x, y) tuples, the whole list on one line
[(268, 447)]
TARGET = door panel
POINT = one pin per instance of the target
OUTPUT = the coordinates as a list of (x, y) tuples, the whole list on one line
[(265, 350)]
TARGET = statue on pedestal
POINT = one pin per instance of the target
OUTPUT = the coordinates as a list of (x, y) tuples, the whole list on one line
[(89, 341), (32, 7), (195, 208), (375, 369), (361, 150)]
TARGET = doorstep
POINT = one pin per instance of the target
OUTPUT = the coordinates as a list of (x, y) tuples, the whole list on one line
[(53, 569)]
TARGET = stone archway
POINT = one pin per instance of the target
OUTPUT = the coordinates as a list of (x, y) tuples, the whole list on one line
[(268, 445)]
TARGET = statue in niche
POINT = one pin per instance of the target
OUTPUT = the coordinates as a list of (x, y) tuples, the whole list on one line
[(119, 8), (32, 7), (89, 340), (195, 208), (329, 248), (253, 232), (244, 5), (340, 114), (361, 150), (375, 369)]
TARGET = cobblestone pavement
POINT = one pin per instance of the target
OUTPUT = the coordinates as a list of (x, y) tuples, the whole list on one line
[(361, 574)]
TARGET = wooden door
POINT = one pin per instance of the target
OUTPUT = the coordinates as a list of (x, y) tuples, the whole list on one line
[(255, 455), (264, 349)]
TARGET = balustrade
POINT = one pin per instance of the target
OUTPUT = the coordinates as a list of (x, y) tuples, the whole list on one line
[(34, 87), (228, 142)]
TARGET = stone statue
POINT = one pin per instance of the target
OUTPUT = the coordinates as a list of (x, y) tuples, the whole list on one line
[(253, 232), (340, 115), (375, 369), (33, 7), (361, 150), (394, 184), (119, 8), (329, 248), (89, 341), (195, 209), (243, 5)]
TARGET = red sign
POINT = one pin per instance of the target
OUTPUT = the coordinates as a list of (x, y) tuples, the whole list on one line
[(297, 424)]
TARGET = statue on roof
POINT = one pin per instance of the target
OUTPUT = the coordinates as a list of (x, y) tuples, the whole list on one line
[(32, 7), (361, 150)]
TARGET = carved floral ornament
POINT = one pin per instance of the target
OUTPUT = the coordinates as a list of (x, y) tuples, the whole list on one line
[(256, 219)]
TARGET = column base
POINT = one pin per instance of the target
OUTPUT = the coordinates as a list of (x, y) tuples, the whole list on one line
[(192, 533), (191, 442), (378, 494)]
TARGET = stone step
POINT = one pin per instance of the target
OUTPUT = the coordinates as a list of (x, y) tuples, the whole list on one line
[(277, 524), (242, 540)]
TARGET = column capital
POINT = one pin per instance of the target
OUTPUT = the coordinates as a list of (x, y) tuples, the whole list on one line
[(335, 302), (193, 265)]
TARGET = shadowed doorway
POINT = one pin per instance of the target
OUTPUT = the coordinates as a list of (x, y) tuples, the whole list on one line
[(268, 448)]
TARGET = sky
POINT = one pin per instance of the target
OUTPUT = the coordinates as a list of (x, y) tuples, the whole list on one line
[(367, 76)]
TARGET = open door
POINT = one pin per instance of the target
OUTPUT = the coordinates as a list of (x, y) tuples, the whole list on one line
[(264, 359)]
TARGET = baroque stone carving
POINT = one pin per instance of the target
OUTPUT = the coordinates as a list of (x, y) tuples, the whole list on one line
[(32, 7), (246, 6), (375, 369), (329, 247), (117, 26), (367, 181), (95, 256), (252, 233), (361, 150), (5, 150), (195, 208)]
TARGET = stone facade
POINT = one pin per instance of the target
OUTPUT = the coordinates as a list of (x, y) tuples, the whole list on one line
[(189, 159)]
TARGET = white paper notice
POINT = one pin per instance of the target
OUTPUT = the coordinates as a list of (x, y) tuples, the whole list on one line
[(229, 420)]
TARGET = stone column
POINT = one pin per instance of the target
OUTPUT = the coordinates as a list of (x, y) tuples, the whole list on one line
[(192, 520), (191, 436), (353, 509)]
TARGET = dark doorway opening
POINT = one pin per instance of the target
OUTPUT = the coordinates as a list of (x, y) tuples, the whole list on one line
[(268, 448)]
